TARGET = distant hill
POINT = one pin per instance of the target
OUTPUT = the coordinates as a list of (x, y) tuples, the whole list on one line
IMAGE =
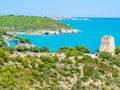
[(31, 23)]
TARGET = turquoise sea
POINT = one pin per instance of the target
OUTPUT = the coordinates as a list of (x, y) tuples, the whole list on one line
[(91, 32)]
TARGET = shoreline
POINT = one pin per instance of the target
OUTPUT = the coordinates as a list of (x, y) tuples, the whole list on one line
[(48, 32)]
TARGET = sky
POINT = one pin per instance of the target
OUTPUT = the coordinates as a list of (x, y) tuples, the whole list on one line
[(71, 8)]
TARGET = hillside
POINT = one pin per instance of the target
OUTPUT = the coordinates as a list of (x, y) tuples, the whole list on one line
[(31, 23), (28, 67), (55, 71)]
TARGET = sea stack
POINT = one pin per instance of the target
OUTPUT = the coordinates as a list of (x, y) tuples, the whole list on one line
[(107, 44)]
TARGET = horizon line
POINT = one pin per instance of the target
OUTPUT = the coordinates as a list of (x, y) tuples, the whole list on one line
[(60, 16)]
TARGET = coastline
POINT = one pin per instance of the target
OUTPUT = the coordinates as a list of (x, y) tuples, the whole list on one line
[(49, 32)]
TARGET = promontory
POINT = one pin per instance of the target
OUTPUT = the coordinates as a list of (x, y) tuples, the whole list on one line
[(34, 25)]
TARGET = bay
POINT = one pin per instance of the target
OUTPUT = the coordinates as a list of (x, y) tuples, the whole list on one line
[(92, 31)]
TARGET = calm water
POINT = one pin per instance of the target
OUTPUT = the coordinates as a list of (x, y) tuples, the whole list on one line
[(12, 43), (91, 32)]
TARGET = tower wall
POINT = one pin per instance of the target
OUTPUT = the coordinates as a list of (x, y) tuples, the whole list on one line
[(107, 44)]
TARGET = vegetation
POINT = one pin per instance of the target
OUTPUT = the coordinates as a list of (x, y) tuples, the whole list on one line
[(30, 23), (51, 72), (82, 49), (28, 67), (105, 55), (117, 50), (79, 50)]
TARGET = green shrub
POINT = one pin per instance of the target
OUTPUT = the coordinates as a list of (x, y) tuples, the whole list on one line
[(105, 55), (4, 54), (117, 50), (21, 48), (77, 85), (44, 49), (1, 61), (48, 59), (66, 60), (64, 49), (85, 79), (116, 60), (25, 62), (35, 49), (90, 71), (82, 49)]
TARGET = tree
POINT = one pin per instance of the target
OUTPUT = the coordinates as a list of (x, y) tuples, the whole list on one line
[(82, 49)]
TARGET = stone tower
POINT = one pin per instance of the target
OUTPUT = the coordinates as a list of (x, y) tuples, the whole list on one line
[(107, 44)]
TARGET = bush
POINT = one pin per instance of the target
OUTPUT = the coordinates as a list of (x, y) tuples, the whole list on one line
[(33, 63), (1, 61), (21, 48), (4, 54), (25, 63), (117, 50), (48, 59), (64, 49), (77, 85), (105, 55), (35, 49), (66, 60), (11, 50), (86, 58), (44, 49), (90, 71), (116, 60), (82, 49), (12, 69)]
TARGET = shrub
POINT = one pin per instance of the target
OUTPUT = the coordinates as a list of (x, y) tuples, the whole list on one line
[(48, 59), (116, 60), (82, 49), (44, 49), (33, 63), (90, 71), (12, 69), (105, 55), (77, 85), (4, 54), (1, 61), (66, 60), (21, 48), (117, 50), (35, 49), (64, 49), (25, 62)]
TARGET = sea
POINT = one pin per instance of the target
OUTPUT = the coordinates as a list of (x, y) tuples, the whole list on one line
[(92, 30)]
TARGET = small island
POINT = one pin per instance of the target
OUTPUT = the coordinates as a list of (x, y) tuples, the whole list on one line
[(34, 25)]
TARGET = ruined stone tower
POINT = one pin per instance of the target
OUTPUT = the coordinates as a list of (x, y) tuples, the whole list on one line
[(107, 44)]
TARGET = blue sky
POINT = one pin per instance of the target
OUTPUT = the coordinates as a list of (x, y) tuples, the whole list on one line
[(83, 8)]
